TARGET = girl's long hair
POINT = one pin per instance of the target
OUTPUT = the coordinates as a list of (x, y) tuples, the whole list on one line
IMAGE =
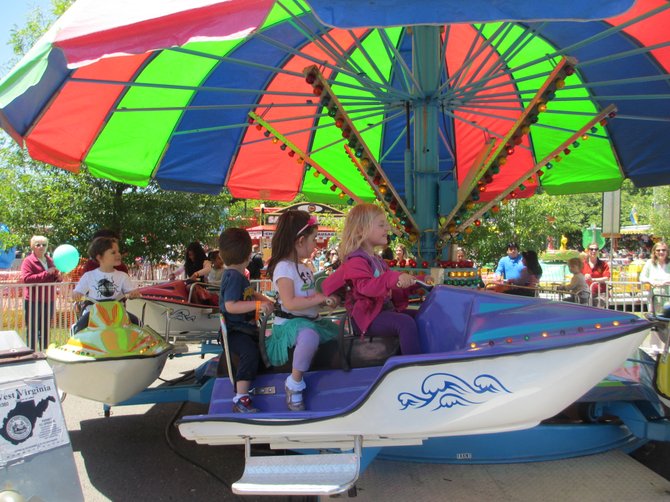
[(288, 230), (193, 265), (357, 226), (532, 263)]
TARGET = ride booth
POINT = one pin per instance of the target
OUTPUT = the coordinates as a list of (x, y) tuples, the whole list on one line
[(36, 459), (262, 233)]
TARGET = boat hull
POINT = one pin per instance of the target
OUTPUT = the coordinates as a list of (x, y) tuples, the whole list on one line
[(107, 381), (111, 359), (418, 397)]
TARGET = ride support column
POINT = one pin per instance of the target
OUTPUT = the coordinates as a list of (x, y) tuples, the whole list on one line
[(426, 44)]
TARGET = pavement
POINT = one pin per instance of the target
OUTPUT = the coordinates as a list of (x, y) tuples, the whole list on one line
[(137, 453)]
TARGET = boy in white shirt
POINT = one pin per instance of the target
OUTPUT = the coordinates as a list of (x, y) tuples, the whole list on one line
[(105, 282)]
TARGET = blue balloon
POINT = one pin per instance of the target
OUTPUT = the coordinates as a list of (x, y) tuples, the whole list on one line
[(66, 258)]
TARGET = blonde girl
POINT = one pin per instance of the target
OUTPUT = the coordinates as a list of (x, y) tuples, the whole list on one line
[(376, 297)]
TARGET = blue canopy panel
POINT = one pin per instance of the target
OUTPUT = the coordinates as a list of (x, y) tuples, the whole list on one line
[(181, 167), (395, 141), (378, 13), (18, 116), (645, 165)]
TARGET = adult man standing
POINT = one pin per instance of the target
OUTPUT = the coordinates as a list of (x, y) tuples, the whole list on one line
[(510, 267), (256, 264)]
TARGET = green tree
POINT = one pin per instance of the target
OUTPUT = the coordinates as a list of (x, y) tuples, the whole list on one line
[(529, 222), (660, 223), (69, 208)]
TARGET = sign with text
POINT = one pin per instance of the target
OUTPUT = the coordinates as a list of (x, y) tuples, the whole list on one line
[(30, 419)]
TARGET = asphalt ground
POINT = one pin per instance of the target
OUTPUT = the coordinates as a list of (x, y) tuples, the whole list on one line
[(138, 454)]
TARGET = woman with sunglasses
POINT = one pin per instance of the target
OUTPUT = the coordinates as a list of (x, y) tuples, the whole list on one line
[(38, 268), (656, 273), (596, 272)]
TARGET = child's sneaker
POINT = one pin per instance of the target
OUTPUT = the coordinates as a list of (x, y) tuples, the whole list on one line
[(294, 399), (244, 405)]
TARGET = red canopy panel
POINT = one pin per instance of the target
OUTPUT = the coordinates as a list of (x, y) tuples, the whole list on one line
[(263, 159), (470, 138), (63, 135)]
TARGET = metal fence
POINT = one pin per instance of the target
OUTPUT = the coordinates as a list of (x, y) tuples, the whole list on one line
[(51, 312), (44, 313)]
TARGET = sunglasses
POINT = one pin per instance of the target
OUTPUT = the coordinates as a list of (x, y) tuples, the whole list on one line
[(593, 249), (41, 245)]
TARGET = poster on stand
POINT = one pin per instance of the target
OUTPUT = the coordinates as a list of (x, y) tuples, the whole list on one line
[(30, 419)]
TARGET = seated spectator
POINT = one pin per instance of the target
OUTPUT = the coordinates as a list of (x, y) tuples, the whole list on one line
[(529, 277), (196, 265), (214, 276), (578, 289)]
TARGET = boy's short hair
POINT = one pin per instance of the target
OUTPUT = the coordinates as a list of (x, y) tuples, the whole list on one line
[(100, 245), (234, 246), (575, 261)]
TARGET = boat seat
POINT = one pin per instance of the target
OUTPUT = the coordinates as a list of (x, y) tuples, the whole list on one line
[(454, 319), (323, 359), (362, 351), (109, 314), (199, 295)]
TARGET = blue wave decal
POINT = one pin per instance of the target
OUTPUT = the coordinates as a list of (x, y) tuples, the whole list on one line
[(447, 390)]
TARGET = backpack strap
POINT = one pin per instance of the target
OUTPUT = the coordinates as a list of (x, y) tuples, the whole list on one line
[(359, 253)]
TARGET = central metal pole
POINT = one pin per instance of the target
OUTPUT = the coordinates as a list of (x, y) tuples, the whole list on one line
[(426, 67)]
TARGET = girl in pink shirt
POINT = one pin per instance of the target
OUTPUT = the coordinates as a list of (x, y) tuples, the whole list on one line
[(376, 297)]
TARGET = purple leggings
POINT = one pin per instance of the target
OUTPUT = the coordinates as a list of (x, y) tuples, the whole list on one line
[(400, 324), (306, 346)]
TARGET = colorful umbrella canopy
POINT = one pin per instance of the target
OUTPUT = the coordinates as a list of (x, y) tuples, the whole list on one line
[(214, 94)]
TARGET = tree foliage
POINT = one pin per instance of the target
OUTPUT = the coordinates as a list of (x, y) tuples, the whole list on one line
[(531, 222), (69, 208), (659, 212)]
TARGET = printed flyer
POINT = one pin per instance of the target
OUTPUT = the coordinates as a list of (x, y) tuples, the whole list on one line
[(31, 420)]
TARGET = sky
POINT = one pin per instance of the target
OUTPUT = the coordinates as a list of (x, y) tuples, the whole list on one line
[(15, 13)]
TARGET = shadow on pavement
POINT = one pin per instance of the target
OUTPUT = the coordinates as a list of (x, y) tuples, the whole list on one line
[(127, 457), (655, 455)]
